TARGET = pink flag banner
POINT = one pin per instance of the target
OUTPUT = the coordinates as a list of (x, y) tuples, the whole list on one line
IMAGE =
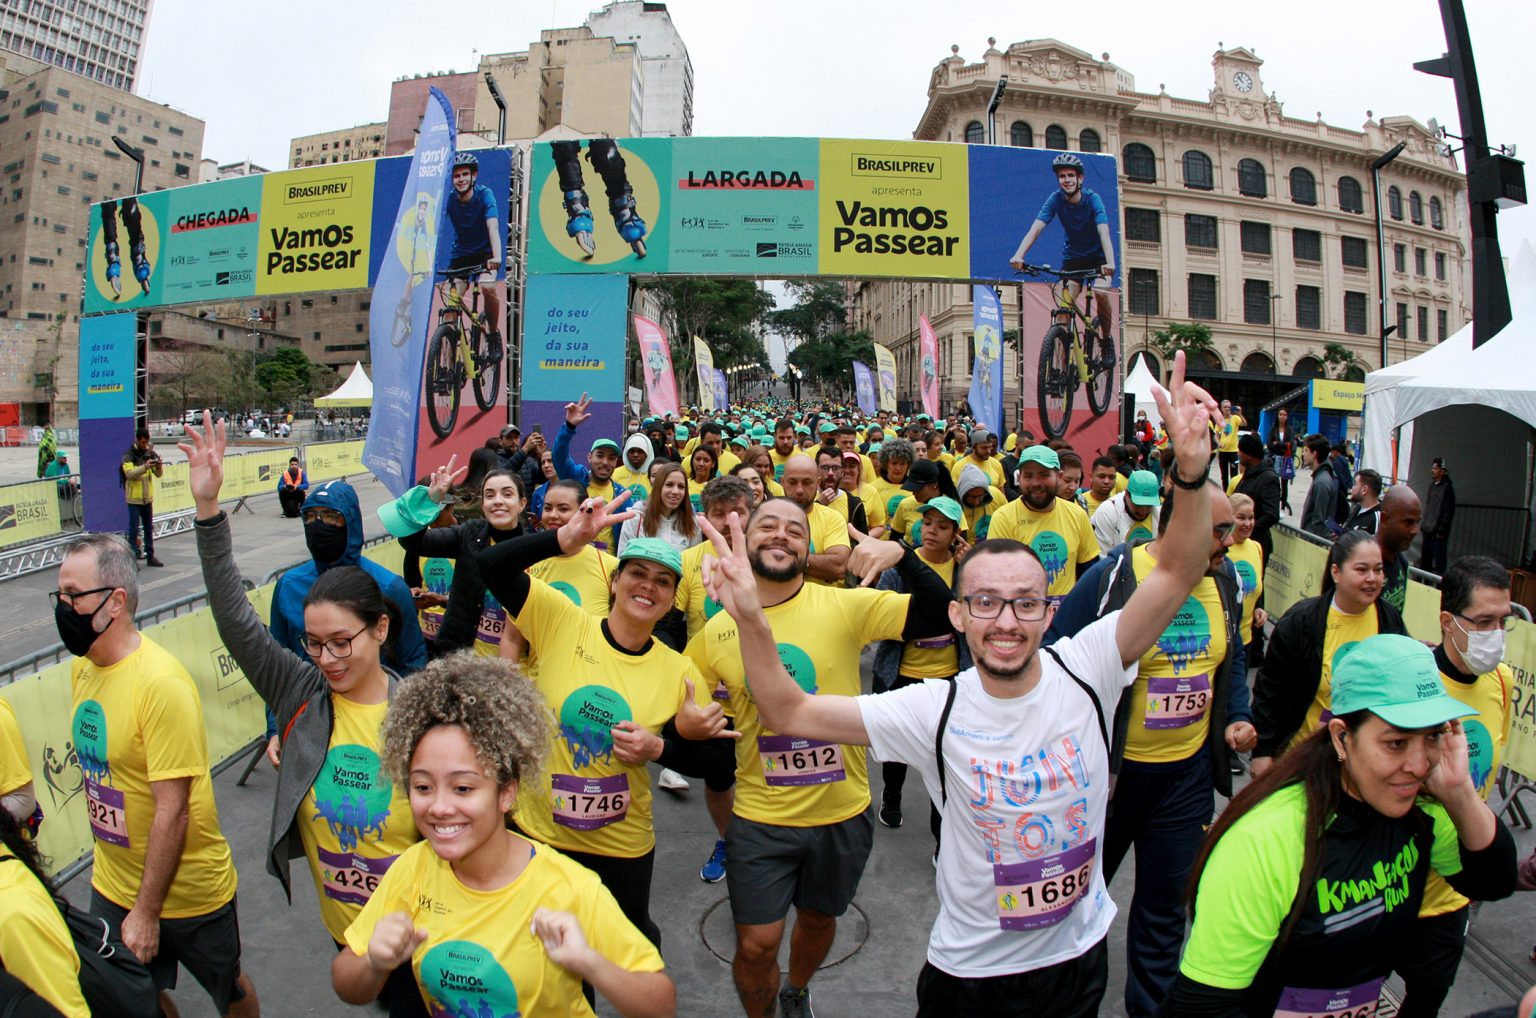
[(656, 366), (929, 368)]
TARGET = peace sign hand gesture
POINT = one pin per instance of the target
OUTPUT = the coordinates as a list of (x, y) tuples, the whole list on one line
[(444, 478), (576, 414), (594, 516), (728, 576)]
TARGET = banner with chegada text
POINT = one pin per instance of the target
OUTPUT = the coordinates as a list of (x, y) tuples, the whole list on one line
[(704, 370)]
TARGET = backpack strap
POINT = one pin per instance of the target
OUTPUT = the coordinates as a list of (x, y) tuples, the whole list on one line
[(1098, 708), (938, 738)]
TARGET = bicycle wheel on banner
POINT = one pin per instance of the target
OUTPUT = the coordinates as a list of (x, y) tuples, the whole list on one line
[(487, 350), (1056, 381), (1099, 350), (442, 380)]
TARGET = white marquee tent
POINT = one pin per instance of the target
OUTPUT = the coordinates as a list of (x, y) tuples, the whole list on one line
[(357, 390), (1139, 383)]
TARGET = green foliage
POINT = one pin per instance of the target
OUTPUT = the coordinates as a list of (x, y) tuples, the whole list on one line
[(285, 376), (1191, 337), (819, 309), (724, 313), (1340, 358), (828, 360)]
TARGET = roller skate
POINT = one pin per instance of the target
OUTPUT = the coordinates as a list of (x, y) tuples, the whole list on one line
[(141, 266), (630, 226), (114, 270), (579, 225)]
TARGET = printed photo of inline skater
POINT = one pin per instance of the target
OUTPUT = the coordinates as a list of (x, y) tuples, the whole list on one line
[(126, 241), (599, 205), (603, 154)]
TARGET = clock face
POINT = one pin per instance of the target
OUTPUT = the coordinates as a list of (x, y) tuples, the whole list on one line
[(1243, 80)]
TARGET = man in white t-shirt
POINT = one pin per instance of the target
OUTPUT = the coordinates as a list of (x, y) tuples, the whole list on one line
[(1024, 780)]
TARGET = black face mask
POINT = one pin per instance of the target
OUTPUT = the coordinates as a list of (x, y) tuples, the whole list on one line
[(77, 631), (326, 543)]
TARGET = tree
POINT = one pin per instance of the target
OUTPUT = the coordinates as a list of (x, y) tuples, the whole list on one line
[(828, 360), (1191, 337), (724, 313), (1340, 358), (819, 308), (285, 375)]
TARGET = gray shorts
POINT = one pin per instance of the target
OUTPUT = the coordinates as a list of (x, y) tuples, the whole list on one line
[(815, 868), (208, 946)]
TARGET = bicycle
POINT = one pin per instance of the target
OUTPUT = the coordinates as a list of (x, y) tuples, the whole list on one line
[(454, 354), (1072, 353), (400, 327)]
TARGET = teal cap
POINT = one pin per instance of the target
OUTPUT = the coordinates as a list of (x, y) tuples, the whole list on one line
[(1395, 678), (946, 505), (875, 447), (410, 513), (801, 429), (653, 549), (1041, 454), (605, 443), (758, 431), (1141, 488), (681, 431), (826, 427), (741, 440)]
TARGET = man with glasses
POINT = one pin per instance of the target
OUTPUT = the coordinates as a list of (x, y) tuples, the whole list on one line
[(1171, 735), (162, 874), (1021, 740), (1474, 618)]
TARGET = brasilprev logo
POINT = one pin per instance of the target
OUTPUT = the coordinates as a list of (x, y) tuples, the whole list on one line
[(332, 189), (870, 165)]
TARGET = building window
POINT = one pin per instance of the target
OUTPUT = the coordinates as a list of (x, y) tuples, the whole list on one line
[(1402, 321), (1144, 225), (1436, 214), (975, 134), (1140, 163), (1251, 179), (1420, 262), (1144, 295), (1021, 135), (1423, 324), (1354, 312), (1303, 186), (1255, 238), (1307, 245), (1055, 136), (1202, 296), (1354, 252), (1309, 307), (1351, 198), (1200, 231), (1416, 208), (1440, 266), (1399, 258), (1088, 141), (1395, 202), (1442, 325), (1197, 170), (1256, 303)]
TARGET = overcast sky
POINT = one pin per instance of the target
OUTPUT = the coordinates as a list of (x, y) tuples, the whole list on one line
[(262, 74)]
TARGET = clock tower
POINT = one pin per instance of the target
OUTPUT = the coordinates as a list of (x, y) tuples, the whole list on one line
[(1237, 74)]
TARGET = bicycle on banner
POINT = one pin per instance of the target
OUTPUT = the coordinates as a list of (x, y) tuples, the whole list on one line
[(1074, 351), (455, 353)]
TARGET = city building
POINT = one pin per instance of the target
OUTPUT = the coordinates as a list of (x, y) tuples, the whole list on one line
[(365, 141), (97, 39), (212, 169), (408, 101), (56, 160), (664, 63), (1232, 213), (572, 77)]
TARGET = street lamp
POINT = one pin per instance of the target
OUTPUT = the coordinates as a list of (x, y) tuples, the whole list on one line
[(1274, 341), (137, 155), (501, 108), (992, 105), (1381, 238)]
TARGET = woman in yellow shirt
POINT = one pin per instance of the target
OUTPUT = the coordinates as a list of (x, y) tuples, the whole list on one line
[(703, 466), (455, 912), (35, 945)]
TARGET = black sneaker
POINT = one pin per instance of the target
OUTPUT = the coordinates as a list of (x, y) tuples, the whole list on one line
[(152, 561), (890, 813), (795, 1003)]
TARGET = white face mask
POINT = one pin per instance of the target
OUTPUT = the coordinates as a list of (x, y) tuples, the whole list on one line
[(1484, 651)]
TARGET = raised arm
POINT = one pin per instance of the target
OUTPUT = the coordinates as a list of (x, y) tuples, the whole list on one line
[(575, 415), (504, 565)]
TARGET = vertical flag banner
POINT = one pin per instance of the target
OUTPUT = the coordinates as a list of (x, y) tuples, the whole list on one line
[(928, 368), (398, 315), (885, 374), (864, 385), (656, 366), (722, 396), (704, 370), (986, 395)]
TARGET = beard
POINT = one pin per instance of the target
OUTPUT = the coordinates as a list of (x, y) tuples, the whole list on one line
[(1005, 673), (793, 571), (1046, 499)]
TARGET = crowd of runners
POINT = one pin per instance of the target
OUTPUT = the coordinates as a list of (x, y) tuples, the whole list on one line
[(1069, 651)]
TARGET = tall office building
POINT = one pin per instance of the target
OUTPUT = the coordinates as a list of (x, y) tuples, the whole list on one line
[(666, 71), (99, 39)]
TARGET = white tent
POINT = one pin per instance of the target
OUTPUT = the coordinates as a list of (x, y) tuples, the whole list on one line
[(1139, 383), (357, 390)]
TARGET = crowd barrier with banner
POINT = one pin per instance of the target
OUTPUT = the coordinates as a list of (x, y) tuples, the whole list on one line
[(232, 716), (1295, 571), (29, 512)]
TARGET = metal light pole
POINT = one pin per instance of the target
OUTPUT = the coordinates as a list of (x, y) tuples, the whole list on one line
[(137, 155), (992, 105), (501, 109), (1274, 340), (1381, 240)]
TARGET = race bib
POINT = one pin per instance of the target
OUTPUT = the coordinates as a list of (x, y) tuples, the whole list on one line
[(431, 621), (791, 761), (585, 804), (109, 820), (1354, 1002), (1039, 893), (350, 878), (935, 643), (1177, 702), (721, 693), (493, 622)]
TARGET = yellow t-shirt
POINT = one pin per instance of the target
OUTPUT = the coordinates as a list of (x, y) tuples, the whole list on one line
[(1487, 735), (829, 529), (588, 801), (135, 722), (1091, 502), (696, 494), (978, 518), (890, 495), (436, 576), (35, 945), (1120, 484), (938, 658), (354, 822), (1228, 434), (874, 506), (479, 957), (1171, 700), (607, 492), (1341, 633), (637, 481), (14, 769), (781, 779), (779, 460), (582, 577), (991, 466), (905, 518), (728, 461), (1249, 560), (1061, 536)]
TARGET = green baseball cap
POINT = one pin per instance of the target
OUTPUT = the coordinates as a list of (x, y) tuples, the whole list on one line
[(1141, 488), (758, 431), (1395, 678), (946, 505), (605, 443), (681, 431), (801, 429), (826, 426), (741, 440), (410, 513), (653, 549), (1041, 454)]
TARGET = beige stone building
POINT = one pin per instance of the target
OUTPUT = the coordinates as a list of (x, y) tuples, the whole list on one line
[(56, 160), (365, 141), (1232, 213)]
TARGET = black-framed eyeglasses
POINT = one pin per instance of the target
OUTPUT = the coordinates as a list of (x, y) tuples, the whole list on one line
[(340, 647), (67, 598), (990, 606), (1506, 623)]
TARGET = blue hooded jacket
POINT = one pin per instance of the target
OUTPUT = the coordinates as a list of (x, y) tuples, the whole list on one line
[(287, 623)]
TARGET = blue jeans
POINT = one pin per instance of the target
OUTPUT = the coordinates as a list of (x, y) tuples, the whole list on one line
[(1163, 810), (142, 516)]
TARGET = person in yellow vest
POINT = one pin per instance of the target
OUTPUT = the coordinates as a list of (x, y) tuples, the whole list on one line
[(894, 462), (712, 437), (1058, 531), (141, 466), (785, 445), (1474, 618)]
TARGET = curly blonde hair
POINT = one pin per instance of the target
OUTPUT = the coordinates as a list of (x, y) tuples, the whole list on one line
[(504, 716)]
